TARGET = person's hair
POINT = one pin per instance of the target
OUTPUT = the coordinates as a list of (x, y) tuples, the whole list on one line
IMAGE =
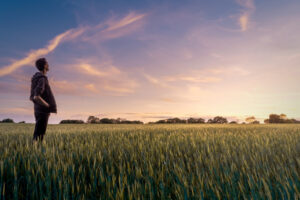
[(40, 63)]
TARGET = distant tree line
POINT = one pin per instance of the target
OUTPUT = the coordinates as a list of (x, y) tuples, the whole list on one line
[(215, 120), (252, 120), (8, 120), (273, 119), (280, 119), (71, 121), (96, 120)]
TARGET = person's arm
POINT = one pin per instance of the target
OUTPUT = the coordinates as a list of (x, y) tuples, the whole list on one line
[(41, 101), (38, 91)]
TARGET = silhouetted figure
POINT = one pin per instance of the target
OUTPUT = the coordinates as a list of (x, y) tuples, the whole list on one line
[(43, 99)]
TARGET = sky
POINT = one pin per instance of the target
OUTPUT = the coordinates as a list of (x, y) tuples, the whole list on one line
[(150, 60)]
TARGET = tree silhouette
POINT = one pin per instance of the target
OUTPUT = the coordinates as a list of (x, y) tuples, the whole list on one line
[(71, 121), (218, 120), (8, 120), (195, 120)]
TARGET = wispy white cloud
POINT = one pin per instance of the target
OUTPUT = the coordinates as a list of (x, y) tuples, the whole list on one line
[(102, 77), (118, 24), (114, 28), (34, 54), (194, 79), (90, 70), (111, 31), (206, 76)]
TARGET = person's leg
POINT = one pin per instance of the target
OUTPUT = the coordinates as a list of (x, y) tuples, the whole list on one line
[(40, 126), (44, 125), (38, 121)]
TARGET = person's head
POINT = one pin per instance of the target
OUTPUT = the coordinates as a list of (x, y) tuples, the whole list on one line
[(42, 65)]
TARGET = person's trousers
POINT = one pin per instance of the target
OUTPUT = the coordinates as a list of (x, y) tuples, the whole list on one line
[(41, 121)]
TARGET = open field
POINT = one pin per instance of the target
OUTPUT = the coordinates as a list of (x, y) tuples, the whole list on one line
[(151, 161)]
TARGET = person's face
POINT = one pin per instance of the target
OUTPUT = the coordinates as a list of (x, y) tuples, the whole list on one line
[(46, 67)]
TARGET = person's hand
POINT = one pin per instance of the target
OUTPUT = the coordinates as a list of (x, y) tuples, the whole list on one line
[(41, 101), (45, 104)]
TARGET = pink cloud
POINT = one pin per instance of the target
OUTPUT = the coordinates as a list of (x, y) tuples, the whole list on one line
[(156, 81), (244, 18), (16, 110), (64, 87), (101, 77), (206, 75), (89, 69), (91, 87)]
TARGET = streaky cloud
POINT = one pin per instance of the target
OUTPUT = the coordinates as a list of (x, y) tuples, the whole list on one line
[(71, 34), (33, 55), (113, 28), (249, 4), (129, 19), (88, 69), (91, 87), (16, 110), (244, 18), (156, 81), (103, 77)]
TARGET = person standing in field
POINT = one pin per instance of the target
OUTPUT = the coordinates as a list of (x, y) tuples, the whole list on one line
[(43, 99)]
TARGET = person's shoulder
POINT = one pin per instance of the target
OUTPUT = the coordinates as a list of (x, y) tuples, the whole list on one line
[(38, 75)]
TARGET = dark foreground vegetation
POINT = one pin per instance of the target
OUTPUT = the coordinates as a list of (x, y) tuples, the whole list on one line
[(158, 161)]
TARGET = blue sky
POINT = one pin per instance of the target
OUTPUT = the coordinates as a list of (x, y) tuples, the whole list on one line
[(150, 60)]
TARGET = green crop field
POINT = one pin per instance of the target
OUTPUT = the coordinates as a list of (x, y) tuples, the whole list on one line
[(151, 162)]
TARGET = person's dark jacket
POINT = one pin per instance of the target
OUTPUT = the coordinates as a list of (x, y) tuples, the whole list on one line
[(40, 87)]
